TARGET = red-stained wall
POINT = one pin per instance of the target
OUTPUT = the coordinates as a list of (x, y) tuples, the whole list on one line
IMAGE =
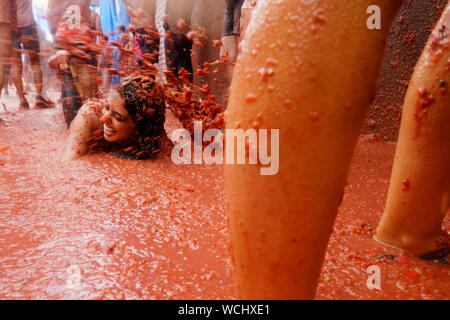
[(409, 34)]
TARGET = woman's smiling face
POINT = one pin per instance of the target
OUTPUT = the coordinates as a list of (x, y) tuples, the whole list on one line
[(117, 124)]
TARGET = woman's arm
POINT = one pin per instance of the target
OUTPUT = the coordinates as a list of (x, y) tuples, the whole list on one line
[(79, 134)]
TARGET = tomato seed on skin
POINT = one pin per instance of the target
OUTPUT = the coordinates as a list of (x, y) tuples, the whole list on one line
[(406, 184), (251, 97), (314, 116)]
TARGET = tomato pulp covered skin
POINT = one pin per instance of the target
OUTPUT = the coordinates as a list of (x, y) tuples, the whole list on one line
[(423, 153), (325, 61)]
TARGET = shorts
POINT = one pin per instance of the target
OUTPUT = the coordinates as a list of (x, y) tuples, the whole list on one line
[(27, 37), (232, 18)]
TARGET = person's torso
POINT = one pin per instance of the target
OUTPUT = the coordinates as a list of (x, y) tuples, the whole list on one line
[(76, 17), (25, 16)]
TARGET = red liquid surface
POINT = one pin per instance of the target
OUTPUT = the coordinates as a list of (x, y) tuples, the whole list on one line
[(154, 230)]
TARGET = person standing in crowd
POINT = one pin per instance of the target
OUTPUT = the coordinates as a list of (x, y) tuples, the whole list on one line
[(178, 48), (106, 62), (25, 37), (238, 14), (96, 35), (124, 58), (77, 17), (7, 79), (76, 59), (179, 38), (7, 19), (230, 34), (84, 22), (145, 33)]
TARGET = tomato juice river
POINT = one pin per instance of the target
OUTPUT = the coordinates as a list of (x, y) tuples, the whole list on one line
[(155, 230)]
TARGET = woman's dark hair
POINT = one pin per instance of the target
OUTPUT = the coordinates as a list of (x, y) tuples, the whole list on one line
[(145, 103)]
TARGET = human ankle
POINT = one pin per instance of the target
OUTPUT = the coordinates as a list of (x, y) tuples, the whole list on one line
[(417, 245)]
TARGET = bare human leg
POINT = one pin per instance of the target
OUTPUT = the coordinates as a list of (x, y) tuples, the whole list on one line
[(41, 101), (5, 50), (307, 68), (418, 197), (229, 52), (17, 69)]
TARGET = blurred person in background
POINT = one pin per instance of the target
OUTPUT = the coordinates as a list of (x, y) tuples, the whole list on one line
[(178, 45), (26, 40), (77, 36), (230, 34), (7, 20), (143, 27)]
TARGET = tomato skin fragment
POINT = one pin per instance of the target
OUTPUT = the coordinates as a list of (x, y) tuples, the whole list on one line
[(403, 260), (251, 97), (4, 149), (411, 275), (406, 184), (217, 43)]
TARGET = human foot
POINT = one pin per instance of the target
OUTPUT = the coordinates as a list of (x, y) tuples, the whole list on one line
[(43, 103), (434, 248), (24, 105)]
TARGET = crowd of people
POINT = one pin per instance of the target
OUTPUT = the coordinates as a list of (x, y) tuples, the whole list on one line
[(129, 119), (20, 35), (84, 57)]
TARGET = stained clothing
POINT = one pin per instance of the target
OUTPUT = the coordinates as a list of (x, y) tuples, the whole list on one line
[(27, 38), (82, 75), (60, 11), (232, 18)]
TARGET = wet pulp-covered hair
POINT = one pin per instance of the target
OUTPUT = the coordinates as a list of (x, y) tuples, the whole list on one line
[(145, 104)]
